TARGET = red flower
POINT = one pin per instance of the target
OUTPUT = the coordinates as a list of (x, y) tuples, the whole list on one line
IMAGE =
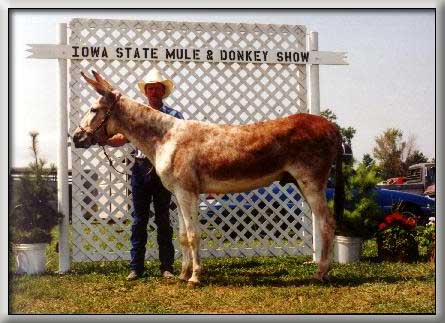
[(389, 219), (398, 217), (411, 223)]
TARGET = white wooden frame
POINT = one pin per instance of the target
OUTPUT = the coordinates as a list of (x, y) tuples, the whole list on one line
[(263, 89)]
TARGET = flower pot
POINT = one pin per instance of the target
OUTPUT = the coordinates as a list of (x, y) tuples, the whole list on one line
[(30, 258), (347, 249)]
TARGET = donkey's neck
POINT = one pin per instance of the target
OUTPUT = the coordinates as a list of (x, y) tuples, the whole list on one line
[(142, 125)]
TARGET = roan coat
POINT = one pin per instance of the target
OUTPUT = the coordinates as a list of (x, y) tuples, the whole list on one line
[(193, 157)]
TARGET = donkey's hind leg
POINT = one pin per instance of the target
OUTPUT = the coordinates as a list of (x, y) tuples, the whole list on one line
[(314, 194), (326, 225)]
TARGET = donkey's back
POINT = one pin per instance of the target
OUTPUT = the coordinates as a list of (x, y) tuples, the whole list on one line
[(227, 158)]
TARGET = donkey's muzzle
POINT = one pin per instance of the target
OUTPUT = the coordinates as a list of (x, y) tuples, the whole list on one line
[(81, 139)]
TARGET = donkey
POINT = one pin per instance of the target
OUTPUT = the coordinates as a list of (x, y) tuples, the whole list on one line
[(194, 157)]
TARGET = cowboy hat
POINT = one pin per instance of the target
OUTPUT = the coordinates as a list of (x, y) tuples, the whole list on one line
[(155, 77)]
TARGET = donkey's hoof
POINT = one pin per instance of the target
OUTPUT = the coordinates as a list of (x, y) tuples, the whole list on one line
[(326, 278), (192, 284), (184, 277)]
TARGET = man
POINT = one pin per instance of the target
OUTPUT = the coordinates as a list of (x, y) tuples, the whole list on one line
[(147, 187)]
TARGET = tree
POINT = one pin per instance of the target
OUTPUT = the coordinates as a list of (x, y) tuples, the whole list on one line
[(361, 212), (368, 161), (416, 157), (388, 151), (346, 133), (329, 114), (34, 213), (395, 154)]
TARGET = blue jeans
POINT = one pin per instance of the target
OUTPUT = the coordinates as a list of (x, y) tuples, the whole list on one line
[(146, 189)]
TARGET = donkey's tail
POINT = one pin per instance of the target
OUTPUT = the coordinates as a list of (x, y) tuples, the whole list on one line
[(339, 198)]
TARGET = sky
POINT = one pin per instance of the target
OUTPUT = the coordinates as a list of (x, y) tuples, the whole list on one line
[(389, 82)]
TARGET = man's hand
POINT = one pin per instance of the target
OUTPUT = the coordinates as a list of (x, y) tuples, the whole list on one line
[(117, 140)]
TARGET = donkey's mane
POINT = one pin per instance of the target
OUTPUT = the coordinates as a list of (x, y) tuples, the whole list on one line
[(142, 119)]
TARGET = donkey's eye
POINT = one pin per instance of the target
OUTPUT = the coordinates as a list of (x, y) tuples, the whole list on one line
[(94, 109)]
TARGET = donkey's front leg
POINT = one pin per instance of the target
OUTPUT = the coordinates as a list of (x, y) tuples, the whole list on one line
[(188, 202), (186, 271)]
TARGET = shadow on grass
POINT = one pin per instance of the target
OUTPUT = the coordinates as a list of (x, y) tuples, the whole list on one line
[(377, 260), (279, 280), (297, 272), (269, 272)]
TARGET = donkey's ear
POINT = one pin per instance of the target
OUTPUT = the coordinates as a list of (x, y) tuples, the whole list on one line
[(101, 80), (101, 88)]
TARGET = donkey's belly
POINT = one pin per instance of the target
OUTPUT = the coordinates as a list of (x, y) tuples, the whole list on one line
[(237, 185)]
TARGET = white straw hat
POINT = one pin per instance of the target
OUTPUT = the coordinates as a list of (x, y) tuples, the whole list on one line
[(155, 77)]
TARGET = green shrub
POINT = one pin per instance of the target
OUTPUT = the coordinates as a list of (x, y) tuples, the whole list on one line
[(35, 211), (426, 237), (361, 209)]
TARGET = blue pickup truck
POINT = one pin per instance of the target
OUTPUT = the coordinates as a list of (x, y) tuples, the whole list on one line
[(421, 206)]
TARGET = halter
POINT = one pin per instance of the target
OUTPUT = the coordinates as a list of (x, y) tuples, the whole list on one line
[(101, 124), (104, 120)]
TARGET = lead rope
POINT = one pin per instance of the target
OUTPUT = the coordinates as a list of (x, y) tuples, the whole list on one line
[(149, 171), (111, 163)]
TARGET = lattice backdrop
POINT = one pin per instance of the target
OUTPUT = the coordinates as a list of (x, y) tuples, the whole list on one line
[(217, 92)]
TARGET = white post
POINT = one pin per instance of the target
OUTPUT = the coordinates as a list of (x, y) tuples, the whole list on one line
[(314, 108), (62, 159)]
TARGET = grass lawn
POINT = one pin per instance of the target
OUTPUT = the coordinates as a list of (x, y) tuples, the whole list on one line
[(257, 285)]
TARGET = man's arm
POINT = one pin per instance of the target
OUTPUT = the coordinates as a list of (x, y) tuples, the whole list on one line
[(117, 140), (174, 113), (180, 116)]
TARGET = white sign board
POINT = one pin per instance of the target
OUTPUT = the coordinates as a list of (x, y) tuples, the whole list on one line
[(187, 54)]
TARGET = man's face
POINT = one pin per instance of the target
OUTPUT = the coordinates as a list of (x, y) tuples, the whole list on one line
[(154, 90)]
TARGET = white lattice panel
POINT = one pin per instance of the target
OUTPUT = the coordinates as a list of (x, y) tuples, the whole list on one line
[(235, 93)]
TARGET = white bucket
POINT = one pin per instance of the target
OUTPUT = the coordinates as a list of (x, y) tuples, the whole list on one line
[(347, 249), (30, 258)]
